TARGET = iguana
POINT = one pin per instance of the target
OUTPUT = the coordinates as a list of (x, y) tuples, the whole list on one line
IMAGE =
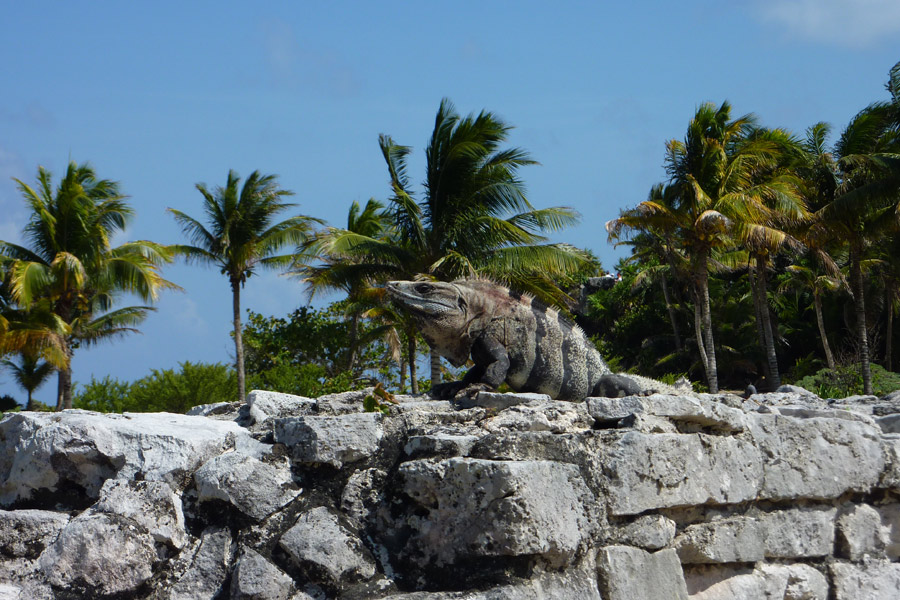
[(510, 337)]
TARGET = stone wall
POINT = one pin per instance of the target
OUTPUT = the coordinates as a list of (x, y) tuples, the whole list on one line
[(779, 496)]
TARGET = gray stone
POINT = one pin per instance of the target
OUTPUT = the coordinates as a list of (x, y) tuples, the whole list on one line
[(120, 564), (803, 412), (151, 504), (255, 487), (700, 411), (631, 574), (735, 539), (264, 405), (331, 440), (816, 458), (794, 389), (205, 410), (766, 582), (890, 449), (890, 423), (872, 580), (472, 507), (255, 578), (25, 533), (208, 570), (650, 532), (342, 403), (499, 401), (439, 444), (362, 494), (319, 542), (799, 533), (650, 471), (859, 533), (553, 415), (580, 584), (39, 451)]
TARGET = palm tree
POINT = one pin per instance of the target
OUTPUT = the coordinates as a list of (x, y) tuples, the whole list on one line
[(813, 279), (70, 269), (30, 373), (865, 203), (242, 236)]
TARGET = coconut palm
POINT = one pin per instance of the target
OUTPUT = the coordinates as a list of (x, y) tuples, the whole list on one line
[(70, 270), (864, 205), (241, 236), (30, 373)]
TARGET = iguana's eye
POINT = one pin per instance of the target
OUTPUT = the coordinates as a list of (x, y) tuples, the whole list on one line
[(423, 288)]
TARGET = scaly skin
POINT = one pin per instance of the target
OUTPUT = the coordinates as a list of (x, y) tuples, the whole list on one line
[(509, 336)]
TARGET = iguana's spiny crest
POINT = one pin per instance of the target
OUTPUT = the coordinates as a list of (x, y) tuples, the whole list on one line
[(508, 335)]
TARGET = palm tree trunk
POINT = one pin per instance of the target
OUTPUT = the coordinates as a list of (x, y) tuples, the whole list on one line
[(771, 357), (757, 310), (411, 345), (698, 331), (817, 303), (354, 337), (435, 368), (238, 341), (702, 275), (889, 335), (859, 303), (671, 309), (64, 381)]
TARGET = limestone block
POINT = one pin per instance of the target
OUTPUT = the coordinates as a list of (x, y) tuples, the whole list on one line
[(580, 584), (468, 507), (205, 410), (151, 504), (816, 458), (499, 401), (872, 580), (208, 570), (890, 423), (702, 412), (264, 405), (319, 542), (650, 532), (439, 444), (255, 578), (38, 451), (890, 447), (803, 412), (628, 573), (765, 582), (25, 533), (120, 564), (553, 415), (363, 493), (342, 403), (254, 487), (865, 530), (333, 440), (735, 539), (650, 471), (799, 533)]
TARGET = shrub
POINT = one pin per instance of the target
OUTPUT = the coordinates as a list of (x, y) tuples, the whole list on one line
[(846, 380), (8, 403)]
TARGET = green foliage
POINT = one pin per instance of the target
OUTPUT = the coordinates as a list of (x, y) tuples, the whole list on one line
[(847, 380), (378, 401), (8, 403), (163, 390)]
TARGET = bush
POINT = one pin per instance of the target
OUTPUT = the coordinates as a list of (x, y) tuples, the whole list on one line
[(163, 390), (8, 403), (847, 380)]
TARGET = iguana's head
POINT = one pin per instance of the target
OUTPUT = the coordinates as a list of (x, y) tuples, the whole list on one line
[(441, 312)]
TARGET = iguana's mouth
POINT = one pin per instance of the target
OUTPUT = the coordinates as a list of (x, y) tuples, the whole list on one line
[(414, 302)]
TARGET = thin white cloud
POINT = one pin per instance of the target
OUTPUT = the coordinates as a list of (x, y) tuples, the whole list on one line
[(852, 23)]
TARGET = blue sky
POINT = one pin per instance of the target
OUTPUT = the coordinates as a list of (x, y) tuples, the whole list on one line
[(162, 95)]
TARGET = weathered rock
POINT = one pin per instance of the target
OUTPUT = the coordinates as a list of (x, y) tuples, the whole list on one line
[(766, 582), (25, 533), (699, 411), (738, 539), (255, 487), (320, 544), (264, 405), (41, 451), (499, 401), (872, 580), (472, 507), (342, 403), (799, 533), (890, 450), (439, 444), (650, 532), (865, 530), (649, 471), (330, 440), (206, 410), (121, 563), (890, 423), (208, 570), (151, 504), (816, 458), (631, 574), (552, 415), (255, 578)]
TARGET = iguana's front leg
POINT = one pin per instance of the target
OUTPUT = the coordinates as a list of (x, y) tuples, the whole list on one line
[(491, 365)]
